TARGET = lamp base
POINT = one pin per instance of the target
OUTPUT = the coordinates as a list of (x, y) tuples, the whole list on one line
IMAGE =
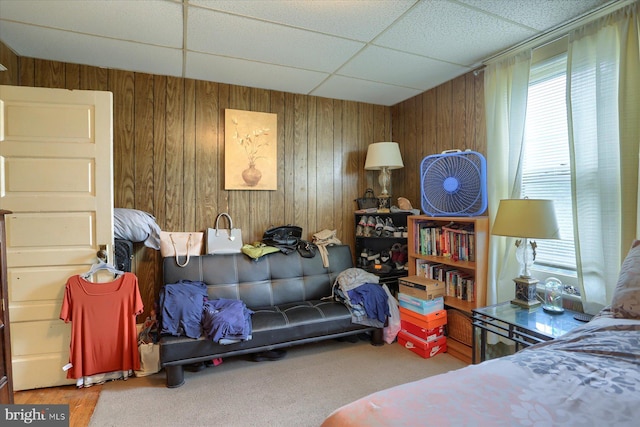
[(526, 292), (384, 203)]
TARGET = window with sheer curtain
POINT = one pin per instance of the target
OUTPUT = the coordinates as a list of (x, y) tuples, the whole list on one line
[(566, 126), (547, 166)]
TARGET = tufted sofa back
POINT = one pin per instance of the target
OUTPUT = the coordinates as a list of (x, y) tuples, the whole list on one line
[(271, 280)]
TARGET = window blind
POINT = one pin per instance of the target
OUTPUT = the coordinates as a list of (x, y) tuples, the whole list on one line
[(547, 166)]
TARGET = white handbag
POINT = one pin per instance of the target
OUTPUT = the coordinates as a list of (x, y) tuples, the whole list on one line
[(224, 240), (180, 244)]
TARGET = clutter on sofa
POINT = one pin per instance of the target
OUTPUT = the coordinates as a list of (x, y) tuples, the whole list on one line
[(181, 245), (286, 293), (224, 240), (589, 376), (324, 239), (283, 237)]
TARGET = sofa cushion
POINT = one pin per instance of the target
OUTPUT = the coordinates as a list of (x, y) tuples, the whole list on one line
[(273, 327), (626, 296), (274, 279)]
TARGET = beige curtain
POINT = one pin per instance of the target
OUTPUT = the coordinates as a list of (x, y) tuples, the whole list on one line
[(506, 85), (603, 98)]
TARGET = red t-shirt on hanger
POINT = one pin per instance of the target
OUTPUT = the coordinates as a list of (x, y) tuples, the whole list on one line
[(104, 337)]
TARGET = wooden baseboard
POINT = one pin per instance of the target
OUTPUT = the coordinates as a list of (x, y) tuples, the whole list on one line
[(459, 350)]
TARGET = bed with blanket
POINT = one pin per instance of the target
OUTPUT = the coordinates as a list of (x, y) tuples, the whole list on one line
[(587, 377)]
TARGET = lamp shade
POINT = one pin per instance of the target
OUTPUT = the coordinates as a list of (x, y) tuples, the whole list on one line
[(383, 154), (528, 218)]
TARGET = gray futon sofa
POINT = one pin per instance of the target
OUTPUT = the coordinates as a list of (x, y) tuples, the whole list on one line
[(285, 293)]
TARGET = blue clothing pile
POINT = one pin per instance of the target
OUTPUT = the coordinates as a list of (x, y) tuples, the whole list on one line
[(226, 321), (181, 308), (185, 309), (374, 300)]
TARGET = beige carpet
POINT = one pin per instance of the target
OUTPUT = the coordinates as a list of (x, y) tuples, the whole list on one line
[(298, 390)]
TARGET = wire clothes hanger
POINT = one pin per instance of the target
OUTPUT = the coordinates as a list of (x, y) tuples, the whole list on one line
[(102, 266)]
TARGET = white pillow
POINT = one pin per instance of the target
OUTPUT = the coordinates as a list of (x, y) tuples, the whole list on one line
[(626, 296), (136, 226)]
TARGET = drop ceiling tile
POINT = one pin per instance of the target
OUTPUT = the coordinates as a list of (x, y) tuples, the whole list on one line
[(539, 14), (339, 87), (244, 38), (286, 41), (154, 22), (451, 32), (354, 19), (37, 42), (408, 70), (253, 74)]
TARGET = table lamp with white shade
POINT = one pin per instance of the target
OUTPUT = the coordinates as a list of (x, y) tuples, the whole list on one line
[(384, 156), (526, 219)]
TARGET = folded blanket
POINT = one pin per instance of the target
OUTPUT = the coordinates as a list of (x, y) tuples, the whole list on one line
[(226, 320)]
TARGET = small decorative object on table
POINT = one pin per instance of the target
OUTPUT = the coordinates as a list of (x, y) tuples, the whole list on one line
[(384, 204), (553, 296)]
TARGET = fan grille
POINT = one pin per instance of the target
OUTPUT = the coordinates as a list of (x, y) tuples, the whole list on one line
[(454, 184)]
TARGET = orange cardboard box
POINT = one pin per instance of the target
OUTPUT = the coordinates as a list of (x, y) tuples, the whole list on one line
[(426, 321), (421, 347)]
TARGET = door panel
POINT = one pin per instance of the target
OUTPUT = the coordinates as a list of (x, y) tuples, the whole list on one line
[(45, 338), (50, 175), (53, 121), (35, 285), (56, 177), (46, 375), (49, 230)]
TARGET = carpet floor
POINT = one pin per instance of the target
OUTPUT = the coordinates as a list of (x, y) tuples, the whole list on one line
[(299, 390)]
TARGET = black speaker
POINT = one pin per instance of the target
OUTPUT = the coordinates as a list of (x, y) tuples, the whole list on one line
[(124, 254)]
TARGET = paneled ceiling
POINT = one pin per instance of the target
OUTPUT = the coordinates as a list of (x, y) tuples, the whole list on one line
[(373, 51)]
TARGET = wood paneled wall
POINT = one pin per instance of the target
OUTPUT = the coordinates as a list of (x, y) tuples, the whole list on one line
[(448, 117), (169, 148)]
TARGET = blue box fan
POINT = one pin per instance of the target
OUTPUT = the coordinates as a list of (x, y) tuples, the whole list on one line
[(454, 183)]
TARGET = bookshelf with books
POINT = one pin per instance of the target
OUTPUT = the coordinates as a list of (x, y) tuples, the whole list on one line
[(452, 250)]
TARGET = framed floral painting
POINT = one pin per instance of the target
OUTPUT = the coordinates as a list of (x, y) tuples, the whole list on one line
[(251, 156)]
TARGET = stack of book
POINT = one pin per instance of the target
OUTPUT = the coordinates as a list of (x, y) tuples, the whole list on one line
[(422, 316), (452, 240), (457, 283)]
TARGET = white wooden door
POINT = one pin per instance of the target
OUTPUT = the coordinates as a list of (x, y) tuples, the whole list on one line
[(56, 177)]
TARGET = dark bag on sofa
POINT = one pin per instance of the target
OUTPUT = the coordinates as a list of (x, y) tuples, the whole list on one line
[(369, 200), (283, 235), (306, 249)]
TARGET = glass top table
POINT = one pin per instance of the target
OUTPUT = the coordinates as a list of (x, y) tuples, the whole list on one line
[(523, 326)]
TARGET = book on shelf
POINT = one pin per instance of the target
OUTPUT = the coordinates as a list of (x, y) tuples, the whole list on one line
[(470, 285), (421, 266), (428, 242), (472, 247), (455, 240)]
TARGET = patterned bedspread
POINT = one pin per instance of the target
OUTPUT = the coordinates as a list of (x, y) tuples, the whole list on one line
[(588, 377)]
